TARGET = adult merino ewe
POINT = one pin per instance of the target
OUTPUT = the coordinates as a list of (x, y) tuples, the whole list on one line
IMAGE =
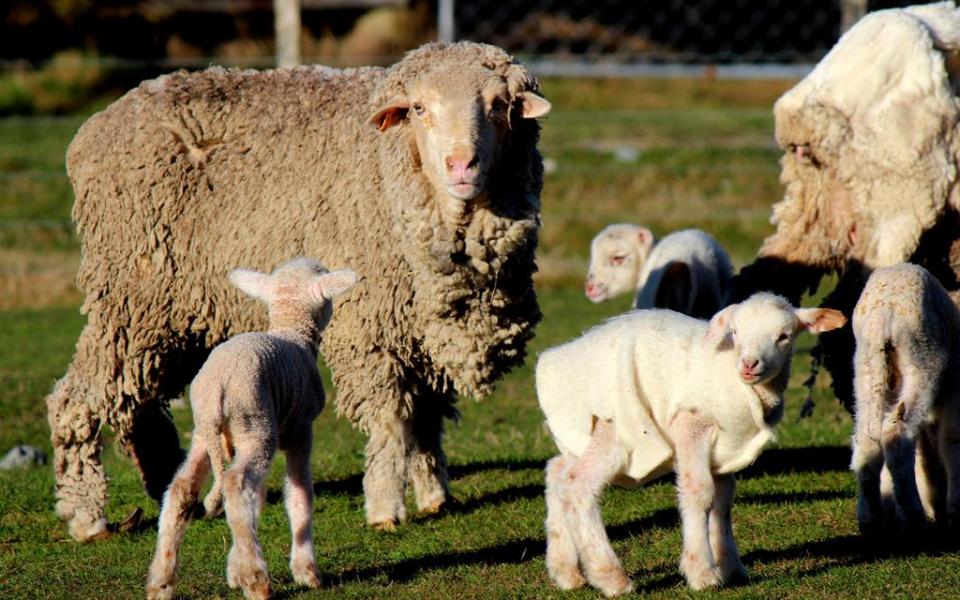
[(424, 177), (687, 271), (907, 382), (651, 392), (871, 148), (258, 391)]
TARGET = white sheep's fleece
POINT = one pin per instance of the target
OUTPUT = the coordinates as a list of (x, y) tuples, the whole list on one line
[(644, 342), (883, 94)]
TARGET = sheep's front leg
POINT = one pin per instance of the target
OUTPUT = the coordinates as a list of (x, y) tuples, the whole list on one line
[(177, 506), (242, 492), (692, 435), (724, 547), (579, 493), (385, 478), (561, 550), (428, 463), (298, 498)]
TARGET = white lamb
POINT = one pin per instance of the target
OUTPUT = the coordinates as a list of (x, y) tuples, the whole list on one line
[(687, 271), (907, 387), (651, 392), (256, 392)]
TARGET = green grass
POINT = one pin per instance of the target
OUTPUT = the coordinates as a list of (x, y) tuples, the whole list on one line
[(705, 158)]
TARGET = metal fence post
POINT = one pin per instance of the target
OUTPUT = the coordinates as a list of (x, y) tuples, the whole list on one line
[(446, 25), (286, 23)]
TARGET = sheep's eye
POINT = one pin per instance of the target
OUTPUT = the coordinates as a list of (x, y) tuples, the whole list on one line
[(418, 109), (783, 339), (498, 106), (803, 154), (618, 260)]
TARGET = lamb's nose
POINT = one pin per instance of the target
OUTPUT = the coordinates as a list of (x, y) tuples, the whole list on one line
[(750, 364)]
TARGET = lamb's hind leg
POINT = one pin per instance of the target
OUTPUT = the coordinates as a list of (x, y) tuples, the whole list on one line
[(298, 496), (899, 439), (75, 411), (695, 491), (949, 447), (561, 559), (724, 547), (428, 463), (579, 494), (242, 485), (178, 504)]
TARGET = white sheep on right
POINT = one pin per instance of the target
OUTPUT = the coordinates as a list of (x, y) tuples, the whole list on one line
[(653, 392), (907, 388), (687, 271)]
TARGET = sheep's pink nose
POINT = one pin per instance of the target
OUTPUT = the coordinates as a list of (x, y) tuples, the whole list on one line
[(460, 165), (590, 288), (749, 364)]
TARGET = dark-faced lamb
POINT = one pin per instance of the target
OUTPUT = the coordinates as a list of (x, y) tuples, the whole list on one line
[(653, 392), (255, 393)]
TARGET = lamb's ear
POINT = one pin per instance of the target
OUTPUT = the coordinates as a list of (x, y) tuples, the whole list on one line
[(645, 237), (818, 320), (391, 113), (332, 284), (719, 327), (533, 105), (251, 283)]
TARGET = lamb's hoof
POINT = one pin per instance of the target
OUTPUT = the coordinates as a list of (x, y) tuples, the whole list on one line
[(567, 577), (702, 579), (258, 591), (132, 521), (306, 575), (88, 530), (613, 582), (255, 584), (432, 509), (160, 592), (389, 526), (735, 576)]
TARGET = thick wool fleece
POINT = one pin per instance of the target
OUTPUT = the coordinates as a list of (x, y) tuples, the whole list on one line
[(193, 173), (639, 370), (871, 144)]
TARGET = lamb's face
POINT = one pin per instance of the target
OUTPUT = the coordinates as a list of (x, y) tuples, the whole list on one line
[(617, 255), (762, 330), (459, 119)]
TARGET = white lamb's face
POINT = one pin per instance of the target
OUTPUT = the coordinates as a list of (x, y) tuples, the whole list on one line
[(762, 338), (617, 255)]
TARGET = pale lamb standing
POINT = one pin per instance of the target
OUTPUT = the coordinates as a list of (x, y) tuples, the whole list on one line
[(907, 387), (687, 271), (256, 392), (652, 392)]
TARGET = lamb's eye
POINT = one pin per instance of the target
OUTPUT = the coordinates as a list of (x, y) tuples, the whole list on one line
[(418, 109), (783, 339), (618, 260), (733, 333)]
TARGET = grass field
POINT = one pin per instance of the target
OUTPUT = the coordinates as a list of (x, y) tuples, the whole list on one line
[(704, 157)]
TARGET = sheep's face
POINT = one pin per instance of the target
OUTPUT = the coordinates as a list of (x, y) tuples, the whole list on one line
[(617, 255), (296, 287), (762, 330), (459, 119)]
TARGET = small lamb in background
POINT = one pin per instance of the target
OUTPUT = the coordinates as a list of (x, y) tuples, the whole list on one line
[(907, 387), (687, 271), (256, 392), (651, 392)]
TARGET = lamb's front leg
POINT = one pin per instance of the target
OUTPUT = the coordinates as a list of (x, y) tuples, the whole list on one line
[(579, 495), (724, 547), (695, 490), (298, 496)]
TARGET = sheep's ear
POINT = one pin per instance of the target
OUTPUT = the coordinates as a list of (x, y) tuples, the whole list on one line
[(391, 113), (645, 237), (533, 105), (719, 327), (332, 284), (818, 320), (251, 283)]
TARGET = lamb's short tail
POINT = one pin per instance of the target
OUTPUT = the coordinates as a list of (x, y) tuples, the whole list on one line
[(877, 380)]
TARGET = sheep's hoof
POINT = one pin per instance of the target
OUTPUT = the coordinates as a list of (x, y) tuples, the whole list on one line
[(433, 509), (389, 526), (83, 530), (613, 583), (160, 592), (306, 575), (735, 576), (567, 577), (702, 579), (132, 521)]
